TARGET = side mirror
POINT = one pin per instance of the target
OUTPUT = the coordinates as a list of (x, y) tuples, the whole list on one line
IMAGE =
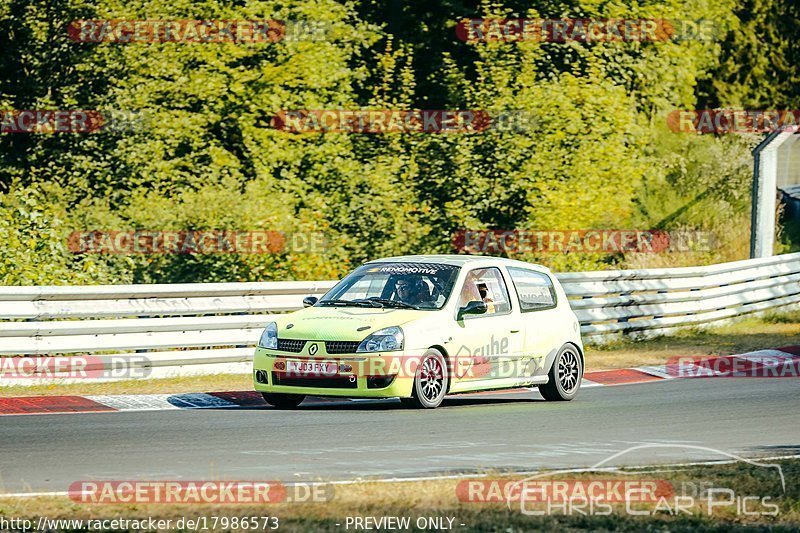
[(308, 301), (473, 308)]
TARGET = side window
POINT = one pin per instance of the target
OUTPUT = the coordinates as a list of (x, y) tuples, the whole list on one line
[(535, 289), (486, 285)]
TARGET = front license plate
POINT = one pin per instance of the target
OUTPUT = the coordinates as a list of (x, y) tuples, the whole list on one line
[(311, 368)]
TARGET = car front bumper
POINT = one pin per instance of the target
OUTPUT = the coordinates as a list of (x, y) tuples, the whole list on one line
[(360, 375)]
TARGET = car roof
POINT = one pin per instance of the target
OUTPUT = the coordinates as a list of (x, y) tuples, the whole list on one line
[(460, 260)]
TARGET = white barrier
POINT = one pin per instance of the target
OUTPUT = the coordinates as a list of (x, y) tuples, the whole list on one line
[(216, 325)]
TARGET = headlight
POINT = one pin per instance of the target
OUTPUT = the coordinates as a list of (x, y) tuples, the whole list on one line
[(269, 339), (384, 340)]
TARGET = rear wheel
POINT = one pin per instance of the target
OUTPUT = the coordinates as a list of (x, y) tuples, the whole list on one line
[(430, 382), (283, 401), (565, 375)]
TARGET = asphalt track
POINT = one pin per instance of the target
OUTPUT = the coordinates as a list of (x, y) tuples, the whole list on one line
[(748, 417)]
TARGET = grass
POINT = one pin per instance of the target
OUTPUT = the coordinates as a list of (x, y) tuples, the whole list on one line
[(439, 498), (756, 333)]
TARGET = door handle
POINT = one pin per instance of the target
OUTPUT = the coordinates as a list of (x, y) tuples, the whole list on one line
[(514, 331)]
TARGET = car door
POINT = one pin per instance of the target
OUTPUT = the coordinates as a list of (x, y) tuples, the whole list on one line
[(541, 320), (487, 344)]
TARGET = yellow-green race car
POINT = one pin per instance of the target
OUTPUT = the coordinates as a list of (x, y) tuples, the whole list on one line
[(420, 327)]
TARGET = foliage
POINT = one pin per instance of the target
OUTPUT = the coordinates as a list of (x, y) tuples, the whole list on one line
[(33, 248), (196, 150)]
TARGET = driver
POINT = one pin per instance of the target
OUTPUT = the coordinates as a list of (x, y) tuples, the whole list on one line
[(412, 290)]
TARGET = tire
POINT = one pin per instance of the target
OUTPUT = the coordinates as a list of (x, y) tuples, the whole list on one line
[(565, 376), (430, 382), (283, 401)]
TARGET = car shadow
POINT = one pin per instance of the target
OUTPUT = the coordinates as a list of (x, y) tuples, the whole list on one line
[(776, 449), (394, 404), (249, 401)]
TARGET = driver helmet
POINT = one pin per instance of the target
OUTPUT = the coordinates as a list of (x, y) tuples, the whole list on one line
[(412, 290)]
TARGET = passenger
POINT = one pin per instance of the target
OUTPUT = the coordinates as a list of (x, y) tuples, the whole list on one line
[(483, 289)]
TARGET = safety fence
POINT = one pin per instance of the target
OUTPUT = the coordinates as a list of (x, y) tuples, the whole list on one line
[(181, 329)]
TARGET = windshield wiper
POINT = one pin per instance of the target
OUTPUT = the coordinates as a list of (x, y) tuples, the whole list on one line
[(335, 302), (368, 302), (348, 303), (373, 301), (392, 303)]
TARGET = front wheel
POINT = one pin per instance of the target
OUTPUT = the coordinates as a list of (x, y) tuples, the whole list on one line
[(565, 376), (430, 382), (283, 401)]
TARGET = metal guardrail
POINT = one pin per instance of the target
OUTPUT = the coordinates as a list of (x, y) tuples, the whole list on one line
[(185, 328)]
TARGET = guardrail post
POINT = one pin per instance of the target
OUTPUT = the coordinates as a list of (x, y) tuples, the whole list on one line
[(764, 196)]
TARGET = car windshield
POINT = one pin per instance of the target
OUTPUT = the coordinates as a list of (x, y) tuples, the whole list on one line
[(400, 285)]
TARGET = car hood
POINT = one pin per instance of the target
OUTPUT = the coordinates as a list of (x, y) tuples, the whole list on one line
[(342, 323)]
